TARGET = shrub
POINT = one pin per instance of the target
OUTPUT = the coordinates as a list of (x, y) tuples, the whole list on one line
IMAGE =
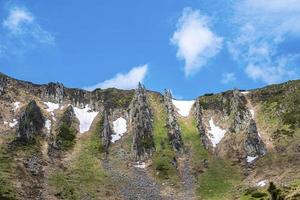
[(66, 137)]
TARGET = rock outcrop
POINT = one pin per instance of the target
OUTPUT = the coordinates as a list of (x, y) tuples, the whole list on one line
[(106, 132), (2, 84), (54, 92), (31, 122), (174, 131), (69, 117), (231, 108), (141, 122), (240, 113), (66, 130), (200, 125), (254, 146)]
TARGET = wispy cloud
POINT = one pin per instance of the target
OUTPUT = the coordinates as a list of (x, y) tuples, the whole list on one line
[(195, 40), (21, 23), (228, 78), (129, 80), (264, 26), (21, 32)]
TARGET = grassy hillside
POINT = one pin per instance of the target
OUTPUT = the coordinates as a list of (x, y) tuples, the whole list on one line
[(164, 154), (85, 177)]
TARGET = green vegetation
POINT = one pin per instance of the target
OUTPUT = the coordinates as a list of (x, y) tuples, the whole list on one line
[(66, 137), (218, 180), (85, 178), (191, 140), (164, 154), (7, 188), (280, 108), (115, 98)]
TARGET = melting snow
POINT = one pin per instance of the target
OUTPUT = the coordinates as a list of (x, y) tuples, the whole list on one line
[(13, 124), (261, 183), (48, 125), (183, 107), (245, 92), (251, 158), (252, 112), (216, 133), (119, 127), (86, 117), (51, 107), (141, 165), (16, 105)]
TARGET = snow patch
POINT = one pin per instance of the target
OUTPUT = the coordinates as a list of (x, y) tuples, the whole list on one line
[(183, 107), (251, 158), (86, 117), (5, 122), (48, 125), (13, 123), (252, 112), (16, 105), (119, 128), (51, 106), (141, 165), (216, 133), (261, 183), (245, 92)]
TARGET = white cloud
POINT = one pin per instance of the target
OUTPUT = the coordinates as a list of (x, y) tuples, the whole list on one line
[(124, 81), (228, 77), (264, 26), (21, 24), (17, 18), (195, 40)]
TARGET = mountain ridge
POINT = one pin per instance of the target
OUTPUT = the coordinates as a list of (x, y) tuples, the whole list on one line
[(231, 145)]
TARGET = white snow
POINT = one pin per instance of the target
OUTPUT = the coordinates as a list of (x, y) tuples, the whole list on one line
[(245, 92), (216, 133), (119, 128), (141, 165), (5, 122), (86, 117), (48, 125), (251, 158), (261, 183), (13, 123), (51, 106), (252, 112), (183, 107), (16, 105)]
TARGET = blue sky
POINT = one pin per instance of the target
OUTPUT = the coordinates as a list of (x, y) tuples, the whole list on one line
[(191, 47)]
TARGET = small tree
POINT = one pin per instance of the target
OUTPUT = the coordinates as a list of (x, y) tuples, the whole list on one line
[(274, 192)]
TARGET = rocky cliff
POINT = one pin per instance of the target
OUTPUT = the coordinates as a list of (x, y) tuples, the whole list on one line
[(93, 144), (141, 120), (172, 125)]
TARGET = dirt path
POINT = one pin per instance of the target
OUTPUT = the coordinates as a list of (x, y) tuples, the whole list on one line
[(188, 179), (134, 183)]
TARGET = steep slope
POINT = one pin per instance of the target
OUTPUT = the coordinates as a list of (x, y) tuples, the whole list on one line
[(62, 143)]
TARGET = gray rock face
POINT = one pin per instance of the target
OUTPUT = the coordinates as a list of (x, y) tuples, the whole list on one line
[(31, 122), (254, 145), (34, 166), (240, 112), (174, 131), (106, 132), (201, 127), (54, 92), (141, 121), (68, 116), (2, 84)]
